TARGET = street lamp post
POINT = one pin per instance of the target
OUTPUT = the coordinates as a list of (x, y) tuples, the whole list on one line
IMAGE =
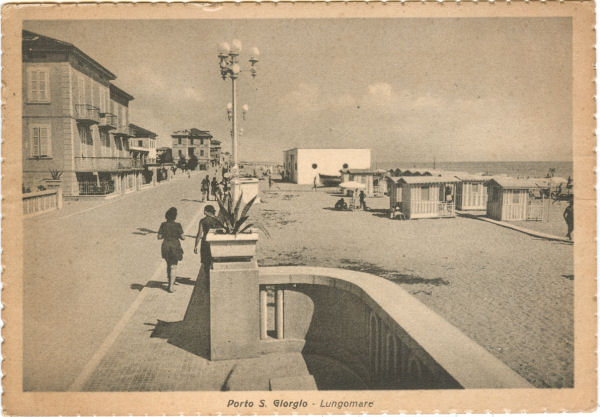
[(230, 68)]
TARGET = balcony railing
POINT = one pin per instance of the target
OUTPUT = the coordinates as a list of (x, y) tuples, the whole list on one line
[(102, 187), (86, 113), (108, 121), (99, 164)]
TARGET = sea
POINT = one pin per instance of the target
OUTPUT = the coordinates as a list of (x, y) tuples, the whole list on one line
[(518, 169)]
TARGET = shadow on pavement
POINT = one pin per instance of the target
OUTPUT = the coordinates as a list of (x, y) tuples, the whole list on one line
[(149, 284), (184, 281)]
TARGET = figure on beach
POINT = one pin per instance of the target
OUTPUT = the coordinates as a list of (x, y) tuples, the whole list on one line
[(207, 223), (361, 197), (205, 189), (568, 215), (171, 233), (270, 181), (315, 183), (341, 204)]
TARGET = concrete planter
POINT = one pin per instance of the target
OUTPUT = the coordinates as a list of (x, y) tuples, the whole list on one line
[(52, 184), (230, 248)]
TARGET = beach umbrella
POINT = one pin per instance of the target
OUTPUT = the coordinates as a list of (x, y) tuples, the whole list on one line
[(352, 185)]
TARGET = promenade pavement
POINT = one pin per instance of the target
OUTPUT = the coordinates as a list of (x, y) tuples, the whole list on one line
[(85, 265)]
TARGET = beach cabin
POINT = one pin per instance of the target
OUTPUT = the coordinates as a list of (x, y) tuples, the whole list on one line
[(372, 179), (423, 196), (471, 192), (511, 199)]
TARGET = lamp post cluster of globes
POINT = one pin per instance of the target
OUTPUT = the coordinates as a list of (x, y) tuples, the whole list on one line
[(229, 58)]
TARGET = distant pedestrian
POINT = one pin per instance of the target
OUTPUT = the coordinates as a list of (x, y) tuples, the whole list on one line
[(205, 188), (568, 215), (315, 183), (361, 198), (270, 181), (207, 223), (171, 233), (213, 187)]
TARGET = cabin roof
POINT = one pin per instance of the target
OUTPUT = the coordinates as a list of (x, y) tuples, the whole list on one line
[(510, 183), (423, 179), (472, 177)]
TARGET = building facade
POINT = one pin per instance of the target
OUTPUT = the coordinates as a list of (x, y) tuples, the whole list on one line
[(302, 166), (215, 152), (75, 121), (192, 142)]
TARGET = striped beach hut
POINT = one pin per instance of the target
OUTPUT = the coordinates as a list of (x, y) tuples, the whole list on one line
[(511, 199), (471, 192), (424, 196)]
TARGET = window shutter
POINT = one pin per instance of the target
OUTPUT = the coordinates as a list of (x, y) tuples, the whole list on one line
[(45, 143), (44, 85), (34, 148), (34, 86)]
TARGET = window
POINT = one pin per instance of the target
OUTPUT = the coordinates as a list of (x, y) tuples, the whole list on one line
[(516, 196), (474, 188), (105, 141), (191, 141), (201, 152), (140, 143), (179, 141), (40, 143), (296, 165), (39, 88), (425, 193)]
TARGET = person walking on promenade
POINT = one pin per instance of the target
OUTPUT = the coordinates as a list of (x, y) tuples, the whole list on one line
[(568, 215), (315, 183), (206, 223), (204, 188), (270, 181), (171, 233), (361, 197), (213, 187)]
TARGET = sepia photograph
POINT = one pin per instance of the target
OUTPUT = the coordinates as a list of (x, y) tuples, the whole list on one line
[(355, 207)]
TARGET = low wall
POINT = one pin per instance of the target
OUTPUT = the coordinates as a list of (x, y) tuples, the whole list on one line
[(385, 336), (41, 202)]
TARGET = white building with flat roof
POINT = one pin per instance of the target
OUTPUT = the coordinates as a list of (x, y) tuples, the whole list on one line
[(302, 166)]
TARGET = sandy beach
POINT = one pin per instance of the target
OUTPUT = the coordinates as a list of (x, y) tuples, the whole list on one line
[(510, 292)]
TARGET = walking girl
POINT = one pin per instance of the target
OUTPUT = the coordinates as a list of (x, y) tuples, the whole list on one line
[(171, 233)]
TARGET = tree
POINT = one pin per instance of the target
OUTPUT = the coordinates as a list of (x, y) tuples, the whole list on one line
[(193, 162), (181, 164)]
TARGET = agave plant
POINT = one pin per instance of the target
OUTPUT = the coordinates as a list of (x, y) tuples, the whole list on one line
[(231, 219), (55, 174)]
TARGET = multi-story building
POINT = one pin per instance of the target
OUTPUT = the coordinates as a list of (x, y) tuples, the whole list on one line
[(142, 144), (192, 142), (215, 152), (74, 121)]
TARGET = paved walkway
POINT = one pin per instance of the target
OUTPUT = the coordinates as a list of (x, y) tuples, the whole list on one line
[(84, 267), (152, 351), (529, 232)]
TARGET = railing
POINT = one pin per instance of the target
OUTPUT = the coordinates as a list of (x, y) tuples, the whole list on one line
[(535, 212), (446, 209), (86, 113), (432, 208), (103, 187), (108, 121), (41, 202), (384, 335), (95, 164)]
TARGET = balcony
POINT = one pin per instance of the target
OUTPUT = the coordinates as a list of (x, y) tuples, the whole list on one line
[(106, 164), (122, 131), (87, 114), (108, 121)]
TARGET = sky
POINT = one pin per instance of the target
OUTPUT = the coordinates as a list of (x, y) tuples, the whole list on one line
[(411, 89)]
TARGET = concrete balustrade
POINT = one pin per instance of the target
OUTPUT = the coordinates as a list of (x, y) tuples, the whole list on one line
[(384, 336), (41, 202)]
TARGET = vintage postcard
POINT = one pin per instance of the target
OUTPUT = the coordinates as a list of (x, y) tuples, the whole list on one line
[(295, 208)]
